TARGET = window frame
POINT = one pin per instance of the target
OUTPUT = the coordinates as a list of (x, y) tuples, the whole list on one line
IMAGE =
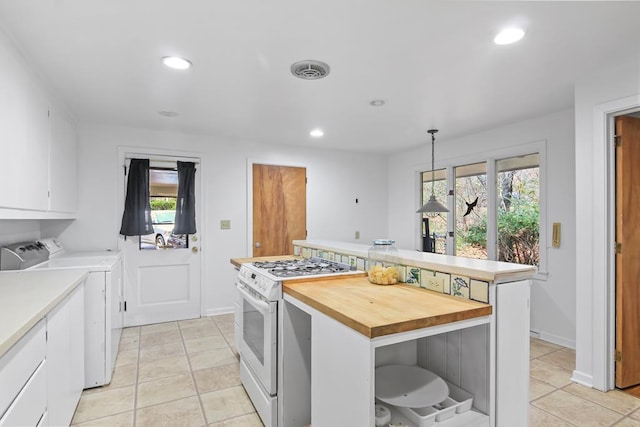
[(491, 157)]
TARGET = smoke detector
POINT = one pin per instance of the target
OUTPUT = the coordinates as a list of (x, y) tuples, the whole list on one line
[(310, 70)]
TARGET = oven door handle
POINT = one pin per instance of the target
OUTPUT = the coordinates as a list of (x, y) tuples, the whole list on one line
[(265, 307)]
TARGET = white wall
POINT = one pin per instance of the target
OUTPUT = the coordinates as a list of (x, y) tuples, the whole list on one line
[(608, 91), (335, 180), (553, 299), (13, 231)]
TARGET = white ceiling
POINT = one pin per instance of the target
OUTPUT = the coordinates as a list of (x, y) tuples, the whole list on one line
[(434, 63)]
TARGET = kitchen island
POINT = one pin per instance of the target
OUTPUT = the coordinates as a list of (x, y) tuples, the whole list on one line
[(337, 331)]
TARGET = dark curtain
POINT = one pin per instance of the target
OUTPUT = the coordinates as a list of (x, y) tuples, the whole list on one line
[(136, 219), (185, 222)]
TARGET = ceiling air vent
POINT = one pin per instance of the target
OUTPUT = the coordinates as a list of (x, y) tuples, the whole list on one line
[(310, 70)]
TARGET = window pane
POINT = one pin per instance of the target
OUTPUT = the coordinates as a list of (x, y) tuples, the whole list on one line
[(471, 210), (518, 209), (163, 190), (437, 224)]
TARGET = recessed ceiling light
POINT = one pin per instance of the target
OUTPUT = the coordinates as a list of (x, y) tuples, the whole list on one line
[(316, 133), (166, 113), (176, 62), (377, 102), (508, 36)]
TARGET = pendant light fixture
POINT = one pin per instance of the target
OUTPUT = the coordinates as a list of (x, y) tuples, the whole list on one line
[(432, 206)]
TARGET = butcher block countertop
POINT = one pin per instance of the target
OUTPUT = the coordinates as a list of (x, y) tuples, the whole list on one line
[(237, 262), (376, 310), (28, 296)]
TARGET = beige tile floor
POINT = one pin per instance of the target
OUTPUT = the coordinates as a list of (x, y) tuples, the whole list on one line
[(186, 373), (557, 402), (182, 373)]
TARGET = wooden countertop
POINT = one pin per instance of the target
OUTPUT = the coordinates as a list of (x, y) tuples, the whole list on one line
[(239, 261), (29, 295), (375, 310)]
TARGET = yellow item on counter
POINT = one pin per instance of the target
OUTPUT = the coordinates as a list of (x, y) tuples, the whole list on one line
[(383, 275)]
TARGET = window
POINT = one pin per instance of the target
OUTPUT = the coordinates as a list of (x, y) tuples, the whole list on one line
[(518, 198), (508, 230), (163, 191), (471, 210), (434, 226)]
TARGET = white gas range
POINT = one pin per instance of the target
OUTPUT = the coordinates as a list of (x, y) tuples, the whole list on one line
[(258, 328)]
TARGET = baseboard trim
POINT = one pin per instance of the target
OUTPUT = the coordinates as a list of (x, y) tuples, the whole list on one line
[(565, 342), (217, 311), (581, 378)]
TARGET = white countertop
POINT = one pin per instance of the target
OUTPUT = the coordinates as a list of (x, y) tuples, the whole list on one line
[(490, 271), (28, 296)]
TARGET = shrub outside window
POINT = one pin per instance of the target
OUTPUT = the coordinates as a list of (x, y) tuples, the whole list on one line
[(514, 183)]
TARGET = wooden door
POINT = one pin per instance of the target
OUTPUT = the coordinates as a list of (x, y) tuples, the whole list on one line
[(279, 209), (628, 253)]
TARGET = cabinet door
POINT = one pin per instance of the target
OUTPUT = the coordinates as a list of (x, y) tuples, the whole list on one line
[(65, 357), (24, 126), (36, 164), (62, 163)]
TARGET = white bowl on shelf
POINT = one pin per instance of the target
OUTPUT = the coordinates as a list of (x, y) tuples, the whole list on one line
[(409, 386)]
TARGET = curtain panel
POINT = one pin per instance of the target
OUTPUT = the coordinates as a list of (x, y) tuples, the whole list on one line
[(185, 221), (136, 218)]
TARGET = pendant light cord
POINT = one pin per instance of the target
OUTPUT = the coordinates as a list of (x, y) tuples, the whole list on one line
[(433, 160)]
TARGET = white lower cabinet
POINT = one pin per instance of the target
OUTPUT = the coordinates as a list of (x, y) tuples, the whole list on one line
[(42, 375), (23, 398), (29, 406), (65, 358)]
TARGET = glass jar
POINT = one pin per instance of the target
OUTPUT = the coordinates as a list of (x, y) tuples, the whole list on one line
[(381, 262)]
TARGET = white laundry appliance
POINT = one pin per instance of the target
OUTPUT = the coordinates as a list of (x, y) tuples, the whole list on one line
[(104, 305)]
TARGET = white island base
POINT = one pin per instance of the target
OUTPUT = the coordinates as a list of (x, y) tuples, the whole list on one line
[(328, 369)]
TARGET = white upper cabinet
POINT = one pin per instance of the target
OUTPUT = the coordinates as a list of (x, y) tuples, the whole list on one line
[(38, 155), (62, 163), (35, 164)]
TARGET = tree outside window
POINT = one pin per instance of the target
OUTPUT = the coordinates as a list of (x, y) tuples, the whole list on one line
[(518, 191), (471, 210)]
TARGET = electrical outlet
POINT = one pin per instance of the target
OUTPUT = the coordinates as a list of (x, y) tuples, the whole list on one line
[(357, 235), (225, 224), (435, 284)]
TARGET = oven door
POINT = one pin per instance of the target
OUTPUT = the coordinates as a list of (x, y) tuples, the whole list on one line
[(258, 337)]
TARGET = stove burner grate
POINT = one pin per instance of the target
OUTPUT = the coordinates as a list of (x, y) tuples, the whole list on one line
[(304, 267)]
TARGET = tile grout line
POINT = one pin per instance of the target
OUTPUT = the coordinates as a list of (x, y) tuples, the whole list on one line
[(193, 378), (135, 389)]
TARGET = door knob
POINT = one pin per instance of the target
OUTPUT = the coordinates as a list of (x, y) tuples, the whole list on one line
[(194, 249), (258, 244), (194, 238)]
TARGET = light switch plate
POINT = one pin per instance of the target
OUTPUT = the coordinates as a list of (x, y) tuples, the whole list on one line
[(225, 224)]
